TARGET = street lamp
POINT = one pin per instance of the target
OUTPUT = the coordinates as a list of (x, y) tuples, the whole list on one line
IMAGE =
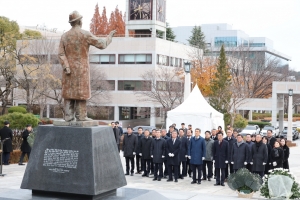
[(187, 67), (187, 79), (290, 92), (290, 116)]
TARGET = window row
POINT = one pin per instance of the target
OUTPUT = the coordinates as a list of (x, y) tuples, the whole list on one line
[(129, 85), (123, 59), (169, 61)]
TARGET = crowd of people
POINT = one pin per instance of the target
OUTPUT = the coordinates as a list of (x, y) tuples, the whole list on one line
[(178, 153)]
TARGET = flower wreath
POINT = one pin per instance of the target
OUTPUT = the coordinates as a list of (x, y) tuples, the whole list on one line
[(264, 190)]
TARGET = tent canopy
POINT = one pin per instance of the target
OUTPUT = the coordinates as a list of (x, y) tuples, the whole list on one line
[(195, 110)]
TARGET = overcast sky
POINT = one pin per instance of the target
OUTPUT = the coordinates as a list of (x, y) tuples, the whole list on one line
[(278, 20)]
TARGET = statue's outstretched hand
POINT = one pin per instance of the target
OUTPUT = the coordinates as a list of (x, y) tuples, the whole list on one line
[(67, 70), (112, 33)]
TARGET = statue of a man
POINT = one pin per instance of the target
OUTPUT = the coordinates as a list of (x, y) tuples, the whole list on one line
[(74, 58)]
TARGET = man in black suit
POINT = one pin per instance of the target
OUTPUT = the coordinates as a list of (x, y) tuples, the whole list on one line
[(25, 147), (171, 129), (173, 148), (183, 153), (183, 128), (214, 134), (220, 154), (130, 145), (164, 136), (231, 140), (116, 134), (271, 139), (7, 135), (188, 164), (138, 158)]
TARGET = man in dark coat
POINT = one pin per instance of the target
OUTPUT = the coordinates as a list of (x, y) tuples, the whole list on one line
[(130, 145), (231, 140), (259, 156), (165, 137), (171, 129), (271, 139), (249, 144), (158, 149), (145, 152), (214, 134), (183, 128), (208, 160), (138, 159), (173, 148), (188, 161), (25, 147), (183, 154), (7, 135), (197, 152), (153, 135), (120, 128), (220, 152), (239, 154), (116, 134)]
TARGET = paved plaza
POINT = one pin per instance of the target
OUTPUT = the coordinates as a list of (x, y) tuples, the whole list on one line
[(141, 188)]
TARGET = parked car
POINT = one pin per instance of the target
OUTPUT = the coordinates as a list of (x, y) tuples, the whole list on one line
[(250, 129), (294, 132), (274, 129)]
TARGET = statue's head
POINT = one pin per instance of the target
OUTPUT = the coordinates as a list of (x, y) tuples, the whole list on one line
[(75, 19)]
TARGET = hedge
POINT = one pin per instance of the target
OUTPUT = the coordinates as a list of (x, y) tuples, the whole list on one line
[(260, 124), (19, 109), (19, 120)]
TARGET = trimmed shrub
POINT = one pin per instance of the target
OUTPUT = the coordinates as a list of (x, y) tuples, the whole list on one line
[(19, 109), (15, 157), (19, 120), (240, 122), (260, 124)]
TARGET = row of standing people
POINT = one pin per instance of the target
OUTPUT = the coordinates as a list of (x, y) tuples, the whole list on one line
[(182, 154)]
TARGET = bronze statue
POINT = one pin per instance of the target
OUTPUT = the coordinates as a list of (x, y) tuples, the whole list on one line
[(74, 58)]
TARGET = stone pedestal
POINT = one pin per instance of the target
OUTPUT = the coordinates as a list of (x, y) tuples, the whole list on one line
[(74, 160)]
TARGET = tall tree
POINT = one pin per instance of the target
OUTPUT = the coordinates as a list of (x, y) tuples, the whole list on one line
[(9, 34), (220, 85), (104, 29), (197, 39), (96, 22), (170, 35)]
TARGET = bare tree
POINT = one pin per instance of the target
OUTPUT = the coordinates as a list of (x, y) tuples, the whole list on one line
[(253, 74), (163, 85)]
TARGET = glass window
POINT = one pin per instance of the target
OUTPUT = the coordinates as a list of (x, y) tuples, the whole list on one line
[(227, 41), (102, 59), (134, 85), (163, 60), (135, 59)]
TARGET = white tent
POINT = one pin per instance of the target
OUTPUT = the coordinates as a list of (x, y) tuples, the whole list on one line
[(196, 110)]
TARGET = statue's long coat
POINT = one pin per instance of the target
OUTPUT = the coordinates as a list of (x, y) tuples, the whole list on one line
[(74, 53)]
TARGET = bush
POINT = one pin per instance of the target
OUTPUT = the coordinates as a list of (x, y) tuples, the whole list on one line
[(240, 122), (260, 124), (46, 121), (15, 157), (19, 109), (19, 120)]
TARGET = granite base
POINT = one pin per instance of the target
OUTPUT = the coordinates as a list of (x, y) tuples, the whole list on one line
[(74, 160)]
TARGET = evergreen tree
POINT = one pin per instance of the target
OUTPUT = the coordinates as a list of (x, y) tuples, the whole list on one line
[(220, 85), (170, 34), (197, 39)]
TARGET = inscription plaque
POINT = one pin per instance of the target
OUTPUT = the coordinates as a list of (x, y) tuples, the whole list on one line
[(60, 159)]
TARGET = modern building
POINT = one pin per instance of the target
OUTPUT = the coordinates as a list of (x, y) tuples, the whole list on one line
[(127, 59), (217, 35)]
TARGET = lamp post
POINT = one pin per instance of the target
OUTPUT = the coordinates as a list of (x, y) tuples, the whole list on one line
[(290, 116), (187, 79)]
